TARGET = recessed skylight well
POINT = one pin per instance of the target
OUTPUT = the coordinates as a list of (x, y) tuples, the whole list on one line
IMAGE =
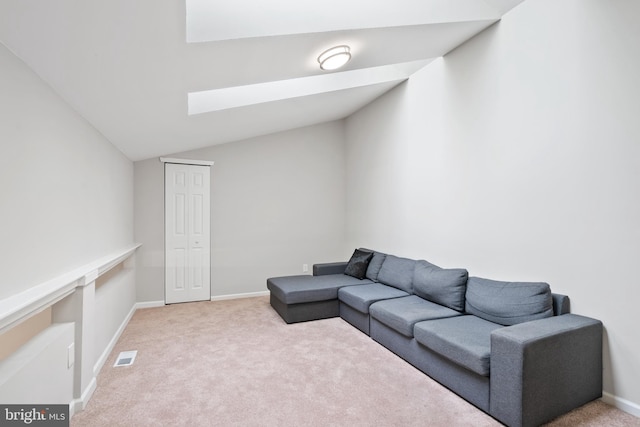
[(334, 58), (242, 96)]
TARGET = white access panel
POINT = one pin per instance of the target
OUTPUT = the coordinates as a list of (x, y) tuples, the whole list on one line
[(187, 233)]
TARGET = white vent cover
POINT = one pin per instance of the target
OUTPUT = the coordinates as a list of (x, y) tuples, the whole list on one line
[(126, 358)]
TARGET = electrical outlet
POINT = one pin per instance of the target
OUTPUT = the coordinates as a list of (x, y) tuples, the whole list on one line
[(305, 268)]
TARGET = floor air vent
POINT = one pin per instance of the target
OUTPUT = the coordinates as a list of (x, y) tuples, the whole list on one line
[(126, 358)]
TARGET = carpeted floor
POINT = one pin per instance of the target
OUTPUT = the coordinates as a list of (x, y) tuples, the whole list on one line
[(236, 363)]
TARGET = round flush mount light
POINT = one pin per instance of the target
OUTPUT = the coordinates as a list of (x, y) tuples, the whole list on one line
[(334, 58)]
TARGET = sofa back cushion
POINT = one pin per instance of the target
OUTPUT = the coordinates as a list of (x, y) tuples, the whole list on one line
[(375, 264), (443, 286), (397, 272), (508, 303)]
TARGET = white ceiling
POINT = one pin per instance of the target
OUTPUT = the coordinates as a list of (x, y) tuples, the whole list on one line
[(126, 65)]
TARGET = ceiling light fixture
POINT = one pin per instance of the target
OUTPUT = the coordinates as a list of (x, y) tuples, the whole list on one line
[(334, 58)]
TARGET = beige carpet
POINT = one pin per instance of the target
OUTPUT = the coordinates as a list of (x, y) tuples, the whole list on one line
[(237, 363)]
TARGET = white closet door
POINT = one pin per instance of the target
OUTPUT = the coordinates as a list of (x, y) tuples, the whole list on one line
[(187, 236)]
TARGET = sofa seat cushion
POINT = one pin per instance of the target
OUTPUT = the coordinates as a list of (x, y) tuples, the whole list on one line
[(362, 296), (400, 314), (465, 340), (508, 303), (305, 288)]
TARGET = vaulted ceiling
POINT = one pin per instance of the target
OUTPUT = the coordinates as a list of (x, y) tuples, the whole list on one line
[(160, 77)]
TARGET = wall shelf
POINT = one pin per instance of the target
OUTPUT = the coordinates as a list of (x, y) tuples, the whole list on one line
[(21, 306)]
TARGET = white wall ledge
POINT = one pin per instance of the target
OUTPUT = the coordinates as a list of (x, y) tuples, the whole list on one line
[(19, 307)]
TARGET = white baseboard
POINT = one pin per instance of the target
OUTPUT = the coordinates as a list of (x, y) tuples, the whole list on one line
[(622, 404), (78, 405), (149, 304), (153, 304), (107, 351), (236, 296)]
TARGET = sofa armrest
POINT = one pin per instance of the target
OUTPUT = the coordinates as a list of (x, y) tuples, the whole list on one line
[(560, 304), (329, 268), (544, 368)]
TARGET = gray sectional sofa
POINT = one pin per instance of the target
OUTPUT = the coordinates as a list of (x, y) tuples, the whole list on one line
[(510, 348)]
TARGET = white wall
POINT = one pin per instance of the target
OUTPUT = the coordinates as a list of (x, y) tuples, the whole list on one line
[(38, 372), (17, 336), (66, 194), (277, 202), (115, 298), (517, 156), (67, 200)]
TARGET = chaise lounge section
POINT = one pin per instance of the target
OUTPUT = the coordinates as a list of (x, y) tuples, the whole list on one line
[(304, 297), (510, 348)]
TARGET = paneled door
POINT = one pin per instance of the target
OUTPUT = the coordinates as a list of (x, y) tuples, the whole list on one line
[(187, 236)]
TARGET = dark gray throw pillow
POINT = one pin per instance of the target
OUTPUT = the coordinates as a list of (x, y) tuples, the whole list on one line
[(508, 303), (357, 266), (443, 286)]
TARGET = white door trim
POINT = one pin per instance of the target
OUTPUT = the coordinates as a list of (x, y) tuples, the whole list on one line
[(186, 161)]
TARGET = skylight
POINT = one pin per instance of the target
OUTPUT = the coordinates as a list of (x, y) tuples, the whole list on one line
[(215, 20)]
